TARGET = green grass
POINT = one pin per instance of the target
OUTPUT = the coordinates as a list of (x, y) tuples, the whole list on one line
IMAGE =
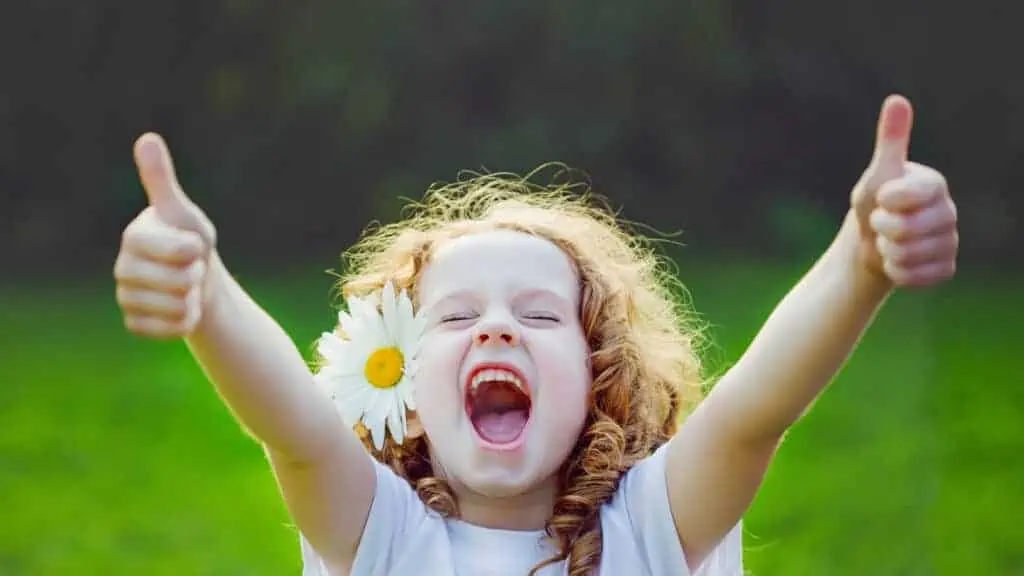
[(117, 458)]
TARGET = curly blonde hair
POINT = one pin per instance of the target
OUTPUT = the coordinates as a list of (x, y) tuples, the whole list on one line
[(641, 334)]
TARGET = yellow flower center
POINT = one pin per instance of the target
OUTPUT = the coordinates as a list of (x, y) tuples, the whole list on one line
[(384, 367)]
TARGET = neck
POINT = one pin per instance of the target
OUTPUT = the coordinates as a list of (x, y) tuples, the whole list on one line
[(527, 511)]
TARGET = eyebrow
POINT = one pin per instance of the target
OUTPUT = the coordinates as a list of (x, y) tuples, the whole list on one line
[(526, 293), (461, 293), (541, 292)]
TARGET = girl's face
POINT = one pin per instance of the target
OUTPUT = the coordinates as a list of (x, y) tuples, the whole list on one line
[(503, 381)]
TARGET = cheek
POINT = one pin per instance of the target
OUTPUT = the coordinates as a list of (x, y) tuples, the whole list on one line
[(567, 374), (437, 381)]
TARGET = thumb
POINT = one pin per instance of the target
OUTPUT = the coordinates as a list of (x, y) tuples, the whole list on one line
[(892, 141), (165, 194), (892, 147)]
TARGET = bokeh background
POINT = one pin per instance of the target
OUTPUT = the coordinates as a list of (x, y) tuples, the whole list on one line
[(739, 125)]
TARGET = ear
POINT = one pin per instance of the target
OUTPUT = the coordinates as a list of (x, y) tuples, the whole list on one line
[(413, 426)]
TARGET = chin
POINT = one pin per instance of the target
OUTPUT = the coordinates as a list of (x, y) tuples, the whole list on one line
[(492, 476), (496, 487), (486, 477)]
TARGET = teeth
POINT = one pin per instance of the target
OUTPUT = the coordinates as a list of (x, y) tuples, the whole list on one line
[(496, 375)]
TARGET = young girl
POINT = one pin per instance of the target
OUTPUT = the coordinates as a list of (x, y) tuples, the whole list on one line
[(503, 393)]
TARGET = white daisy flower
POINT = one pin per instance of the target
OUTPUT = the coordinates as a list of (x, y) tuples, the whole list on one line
[(369, 374)]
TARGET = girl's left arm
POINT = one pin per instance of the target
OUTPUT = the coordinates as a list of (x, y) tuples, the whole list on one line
[(900, 231)]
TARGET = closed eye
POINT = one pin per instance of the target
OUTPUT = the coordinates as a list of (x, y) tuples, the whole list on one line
[(448, 319), (542, 316)]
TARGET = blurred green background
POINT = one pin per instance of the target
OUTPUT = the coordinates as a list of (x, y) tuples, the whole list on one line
[(295, 124)]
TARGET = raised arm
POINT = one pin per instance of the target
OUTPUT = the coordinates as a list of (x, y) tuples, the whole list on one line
[(171, 283), (900, 231)]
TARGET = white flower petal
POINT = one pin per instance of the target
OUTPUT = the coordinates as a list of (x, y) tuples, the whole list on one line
[(373, 335), (356, 401), (327, 380), (412, 335), (412, 366), (396, 419), (392, 323), (404, 306), (370, 306), (383, 408), (349, 324), (360, 310), (408, 394), (382, 404), (404, 411), (331, 347), (376, 432), (406, 319), (358, 354), (355, 309), (351, 383), (324, 381), (357, 302), (350, 411)]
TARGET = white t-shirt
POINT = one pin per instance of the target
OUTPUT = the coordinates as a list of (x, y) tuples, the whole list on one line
[(404, 537)]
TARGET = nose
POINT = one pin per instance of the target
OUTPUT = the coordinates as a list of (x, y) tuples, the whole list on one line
[(496, 331)]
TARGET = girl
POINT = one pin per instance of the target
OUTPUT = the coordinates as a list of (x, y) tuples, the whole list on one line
[(502, 394)]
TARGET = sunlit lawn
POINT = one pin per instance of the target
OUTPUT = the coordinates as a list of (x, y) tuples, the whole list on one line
[(117, 458)]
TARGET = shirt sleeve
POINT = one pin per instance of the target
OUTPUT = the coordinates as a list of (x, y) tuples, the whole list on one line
[(394, 510), (644, 493)]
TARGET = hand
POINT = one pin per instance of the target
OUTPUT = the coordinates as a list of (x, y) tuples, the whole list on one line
[(165, 252), (905, 215)]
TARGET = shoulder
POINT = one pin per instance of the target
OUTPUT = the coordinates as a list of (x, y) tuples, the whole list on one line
[(395, 512), (640, 510)]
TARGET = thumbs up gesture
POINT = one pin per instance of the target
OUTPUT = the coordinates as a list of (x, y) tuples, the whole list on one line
[(165, 252), (905, 215)]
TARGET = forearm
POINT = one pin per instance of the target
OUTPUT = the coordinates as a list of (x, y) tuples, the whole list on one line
[(803, 344), (259, 372)]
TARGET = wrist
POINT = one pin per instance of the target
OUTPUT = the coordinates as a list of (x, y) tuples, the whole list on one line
[(854, 258), (215, 292)]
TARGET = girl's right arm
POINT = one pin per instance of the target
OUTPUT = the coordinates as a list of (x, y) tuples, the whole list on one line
[(172, 283)]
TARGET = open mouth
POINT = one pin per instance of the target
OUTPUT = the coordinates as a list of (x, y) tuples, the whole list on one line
[(498, 404)]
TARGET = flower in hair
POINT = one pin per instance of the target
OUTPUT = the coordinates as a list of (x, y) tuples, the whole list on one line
[(368, 372)]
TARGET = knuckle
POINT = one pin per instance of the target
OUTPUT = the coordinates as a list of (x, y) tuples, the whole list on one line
[(184, 326), (134, 233), (211, 232), (951, 211), (947, 268), (900, 254), (189, 244), (183, 279), (130, 232), (898, 274), (177, 312), (176, 329), (119, 267), (133, 324), (127, 267), (168, 279), (888, 249), (122, 297)]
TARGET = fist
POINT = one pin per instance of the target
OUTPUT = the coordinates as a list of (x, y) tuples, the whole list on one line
[(905, 216), (161, 268)]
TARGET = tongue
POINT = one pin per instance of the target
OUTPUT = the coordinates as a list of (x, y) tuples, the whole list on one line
[(501, 428)]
